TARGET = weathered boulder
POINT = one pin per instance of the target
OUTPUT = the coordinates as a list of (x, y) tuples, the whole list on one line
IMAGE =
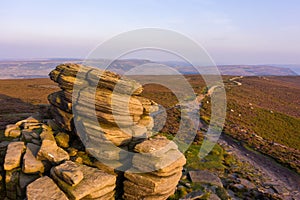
[(13, 155), (44, 188)]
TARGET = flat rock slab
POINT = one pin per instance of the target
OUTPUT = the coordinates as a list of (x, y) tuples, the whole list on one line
[(206, 177), (134, 189), (145, 163), (156, 146), (13, 155), (31, 164), (69, 172), (93, 180), (153, 183), (44, 188)]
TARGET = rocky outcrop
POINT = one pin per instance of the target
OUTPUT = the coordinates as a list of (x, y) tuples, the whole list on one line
[(52, 158), (123, 119)]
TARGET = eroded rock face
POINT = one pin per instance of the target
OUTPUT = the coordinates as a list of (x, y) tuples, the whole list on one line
[(13, 155), (44, 188)]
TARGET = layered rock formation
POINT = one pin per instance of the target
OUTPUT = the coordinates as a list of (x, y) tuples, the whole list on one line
[(121, 114), (123, 118), (55, 159)]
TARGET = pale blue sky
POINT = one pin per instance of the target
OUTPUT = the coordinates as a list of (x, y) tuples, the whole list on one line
[(232, 31)]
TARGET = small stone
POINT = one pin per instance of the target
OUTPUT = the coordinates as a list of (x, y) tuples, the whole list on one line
[(72, 151), (46, 128), (13, 155), (69, 172), (194, 195), (246, 183), (32, 126), (14, 133), (238, 188), (32, 165), (62, 139), (213, 197), (281, 190), (44, 188), (12, 130), (78, 160)]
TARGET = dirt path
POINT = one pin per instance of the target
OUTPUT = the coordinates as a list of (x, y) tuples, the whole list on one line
[(286, 181), (275, 174), (236, 82)]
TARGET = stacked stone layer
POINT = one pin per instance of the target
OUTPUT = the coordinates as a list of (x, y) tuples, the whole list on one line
[(121, 114), (163, 164)]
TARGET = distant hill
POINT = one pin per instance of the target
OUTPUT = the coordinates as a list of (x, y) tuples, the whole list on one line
[(18, 69), (255, 70)]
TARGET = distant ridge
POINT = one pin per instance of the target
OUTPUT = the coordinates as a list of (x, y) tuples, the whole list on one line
[(40, 68)]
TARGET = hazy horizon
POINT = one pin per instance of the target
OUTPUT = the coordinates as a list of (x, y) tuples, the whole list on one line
[(233, 32)]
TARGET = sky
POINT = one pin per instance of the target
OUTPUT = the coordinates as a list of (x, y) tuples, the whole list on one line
[(231, 31)]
